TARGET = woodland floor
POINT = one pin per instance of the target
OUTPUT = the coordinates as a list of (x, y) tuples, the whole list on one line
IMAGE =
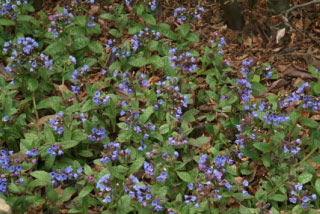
[(261, 39)]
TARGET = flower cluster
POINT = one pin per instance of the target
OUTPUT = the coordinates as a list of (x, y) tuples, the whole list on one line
[(185, 61), (148, 168), (146, 35), (162, 177), (62, 175), (181, 14), (55, 150), (299, 97), (79, 76), (213, 179), (119, 52), (142, 193), (31, 154), (57, 123), (131, 119), (244, 90), (112, 151), (80, 117), (245, 183), (104, 186), (176, 141), (98, 99), (298, 195), (22, 58), (197, 12), (58, 22), (291, 146), (9, 8), (9, 168), (170, 91), (97, 134), (153, 4)]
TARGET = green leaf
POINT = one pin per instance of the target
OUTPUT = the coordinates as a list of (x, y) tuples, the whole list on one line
[(89, 105), (115, 33), (156, 136), (164, 129), (85, 191), (52, 194), (138, 62), (156, 62), (69, 144), (317, 186), (184, 29), (146, 114), (125, 202), (67, 193), (80, 42), (193, 37), (7, 22), (258, 88), (199, 142), (55, 49), (85, 153), (39, 182), (245, 210), (185, 177), (136, 165), (80, 20), (278, 197), (33, 84), (189, 115), (87, 170), (262, 146), (148, 18), (308, 122), (304, 178), (95, 47), (50, 102), (107, 16), (134, 27), (316, 88), (41, 175), (78, 135)]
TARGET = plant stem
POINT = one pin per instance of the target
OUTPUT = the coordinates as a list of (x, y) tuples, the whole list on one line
[(307, 157), (209, 205), (35, 106)]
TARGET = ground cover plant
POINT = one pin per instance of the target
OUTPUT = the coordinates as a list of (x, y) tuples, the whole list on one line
[(145, 117)]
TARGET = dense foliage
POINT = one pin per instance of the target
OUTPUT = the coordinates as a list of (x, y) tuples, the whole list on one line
[(143, 122)]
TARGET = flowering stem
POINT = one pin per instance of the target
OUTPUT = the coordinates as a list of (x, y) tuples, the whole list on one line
[(35, 106)]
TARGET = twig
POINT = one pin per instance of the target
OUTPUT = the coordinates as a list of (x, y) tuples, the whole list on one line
[(301, 5)]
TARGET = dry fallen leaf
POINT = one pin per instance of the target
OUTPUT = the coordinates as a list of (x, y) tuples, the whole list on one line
[(278, 84), (280, 34)]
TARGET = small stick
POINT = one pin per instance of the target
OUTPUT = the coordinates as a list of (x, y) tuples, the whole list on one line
[(301, 5)]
